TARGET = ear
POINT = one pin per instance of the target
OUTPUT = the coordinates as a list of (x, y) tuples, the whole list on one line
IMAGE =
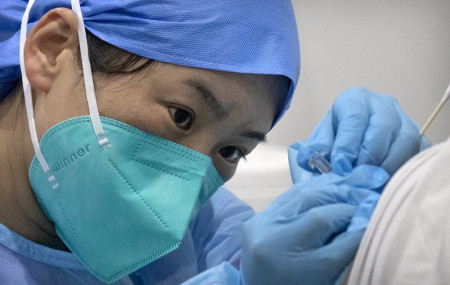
[(55, 32)]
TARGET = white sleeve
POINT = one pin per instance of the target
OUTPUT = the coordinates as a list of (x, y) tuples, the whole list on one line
[(408, 237)]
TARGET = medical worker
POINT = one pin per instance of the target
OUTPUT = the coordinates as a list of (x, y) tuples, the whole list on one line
[(120, 120)]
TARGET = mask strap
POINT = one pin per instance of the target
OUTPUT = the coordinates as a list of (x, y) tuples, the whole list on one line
[(87, 74), (29, 99), (89, 83)]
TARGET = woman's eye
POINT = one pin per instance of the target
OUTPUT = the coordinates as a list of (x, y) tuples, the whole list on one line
[(232, 154), (182, 118)]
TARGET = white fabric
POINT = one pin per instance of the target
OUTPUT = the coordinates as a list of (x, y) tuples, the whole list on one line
[(408, 238)]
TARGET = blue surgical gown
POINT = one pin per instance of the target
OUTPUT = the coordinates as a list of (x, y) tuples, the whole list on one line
[(213, 237)]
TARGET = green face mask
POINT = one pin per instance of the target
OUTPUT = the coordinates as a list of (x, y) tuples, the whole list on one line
[(119, 208)]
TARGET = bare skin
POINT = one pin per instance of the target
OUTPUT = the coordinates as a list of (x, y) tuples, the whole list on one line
[(223, 115)]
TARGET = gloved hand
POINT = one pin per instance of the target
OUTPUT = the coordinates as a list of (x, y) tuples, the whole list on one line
[(363, 127), (301, 237)]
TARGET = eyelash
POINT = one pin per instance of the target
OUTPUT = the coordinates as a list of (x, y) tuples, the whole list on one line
[(173, 114), (241, 154)]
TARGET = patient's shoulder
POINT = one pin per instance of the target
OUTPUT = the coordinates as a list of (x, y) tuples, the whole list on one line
[(408, 237)]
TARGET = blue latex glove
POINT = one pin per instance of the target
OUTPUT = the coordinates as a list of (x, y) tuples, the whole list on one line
[(302, 237), (363, 127)]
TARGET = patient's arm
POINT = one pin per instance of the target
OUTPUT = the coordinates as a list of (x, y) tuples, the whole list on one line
[(408, 238)]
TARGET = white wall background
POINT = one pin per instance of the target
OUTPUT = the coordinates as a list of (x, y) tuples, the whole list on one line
[(396, 47)]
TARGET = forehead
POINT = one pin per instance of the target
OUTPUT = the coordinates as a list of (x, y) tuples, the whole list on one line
[(239, 93)]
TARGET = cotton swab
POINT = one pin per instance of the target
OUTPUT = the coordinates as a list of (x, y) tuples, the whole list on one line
[(436, 111)]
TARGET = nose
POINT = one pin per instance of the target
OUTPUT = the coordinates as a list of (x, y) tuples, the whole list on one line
[(207, 144), (203, 143)]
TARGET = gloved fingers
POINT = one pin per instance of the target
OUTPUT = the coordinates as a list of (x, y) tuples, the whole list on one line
[(405, 146), (340, 252), (424, 143), (283, 199), (329, 189), (344, 275), (362, 128), (403, 149), (366, 176), (306, 194), (350, 120), (321, 195), (359, 195), (309, 198), (363, 213), (383, 129), (298, 173), (316, 226), (321, 140)]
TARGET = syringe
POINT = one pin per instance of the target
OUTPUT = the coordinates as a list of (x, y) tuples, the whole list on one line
[(319, 162)]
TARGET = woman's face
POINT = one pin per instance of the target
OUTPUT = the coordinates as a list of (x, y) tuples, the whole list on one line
[(220, 114)]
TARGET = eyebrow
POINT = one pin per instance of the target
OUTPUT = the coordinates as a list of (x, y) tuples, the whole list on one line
[(217, 107), (219, 110), (254, 135)]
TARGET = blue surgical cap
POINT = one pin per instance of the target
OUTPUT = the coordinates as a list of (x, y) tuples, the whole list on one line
[(245, 36)]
